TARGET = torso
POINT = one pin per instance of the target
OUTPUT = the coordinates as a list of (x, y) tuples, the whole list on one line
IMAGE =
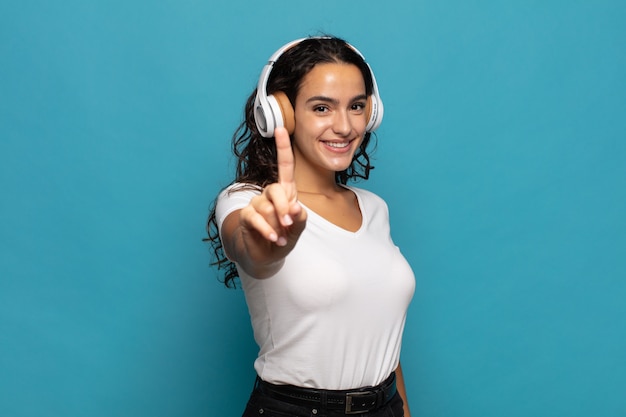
[(333, 316)]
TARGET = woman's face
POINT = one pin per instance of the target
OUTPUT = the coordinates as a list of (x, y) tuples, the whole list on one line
[(330, 114)]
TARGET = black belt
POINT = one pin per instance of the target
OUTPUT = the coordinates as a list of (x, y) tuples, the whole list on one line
[(351, 401)]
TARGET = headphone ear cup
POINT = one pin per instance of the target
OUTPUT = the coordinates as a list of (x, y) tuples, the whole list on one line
[(286, 110), (368, 109), (263, 117), (374, 113)]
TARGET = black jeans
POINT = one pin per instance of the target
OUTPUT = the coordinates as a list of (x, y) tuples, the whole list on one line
[(261, 405)]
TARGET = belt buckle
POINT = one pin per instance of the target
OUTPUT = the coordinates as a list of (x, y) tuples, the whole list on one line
[(356, 395)]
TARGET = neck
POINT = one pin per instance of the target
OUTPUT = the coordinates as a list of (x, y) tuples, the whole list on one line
[(317, 184)]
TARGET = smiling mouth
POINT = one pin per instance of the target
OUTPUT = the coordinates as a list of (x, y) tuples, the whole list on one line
[(338, 145)]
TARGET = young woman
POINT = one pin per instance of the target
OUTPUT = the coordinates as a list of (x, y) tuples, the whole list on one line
[(326, 287)]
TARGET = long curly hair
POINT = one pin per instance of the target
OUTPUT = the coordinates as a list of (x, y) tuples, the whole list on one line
[(256, 155)]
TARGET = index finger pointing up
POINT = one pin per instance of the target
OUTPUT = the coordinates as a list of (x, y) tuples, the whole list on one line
[(284, 156)]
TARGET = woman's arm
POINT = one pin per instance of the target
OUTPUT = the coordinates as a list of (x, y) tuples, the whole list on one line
[(402, 390), (259, 236)]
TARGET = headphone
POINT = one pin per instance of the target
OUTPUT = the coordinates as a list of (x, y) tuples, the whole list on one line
[(275, 110)]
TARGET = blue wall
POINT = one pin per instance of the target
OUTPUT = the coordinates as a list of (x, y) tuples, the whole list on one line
[(502, 157)]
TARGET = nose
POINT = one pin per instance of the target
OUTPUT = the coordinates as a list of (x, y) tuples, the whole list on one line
[(342, 125)]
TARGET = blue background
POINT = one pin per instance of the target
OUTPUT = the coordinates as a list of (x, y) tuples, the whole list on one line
[(502, 157)]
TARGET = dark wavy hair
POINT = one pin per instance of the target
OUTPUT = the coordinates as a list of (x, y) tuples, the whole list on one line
[(256, 155)]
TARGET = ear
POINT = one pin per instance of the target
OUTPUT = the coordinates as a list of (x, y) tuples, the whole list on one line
[(286, 109)]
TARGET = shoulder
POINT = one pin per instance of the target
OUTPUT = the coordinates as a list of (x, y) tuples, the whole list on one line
[(366, 196), (240, 190), (234, 197)]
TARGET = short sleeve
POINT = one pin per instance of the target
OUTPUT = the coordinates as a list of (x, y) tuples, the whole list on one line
[(233, 197)]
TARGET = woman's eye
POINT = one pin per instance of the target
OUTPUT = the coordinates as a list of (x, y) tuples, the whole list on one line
[(358, 106), (320, 109)]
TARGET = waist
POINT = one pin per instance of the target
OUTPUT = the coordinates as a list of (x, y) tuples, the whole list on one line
[(355, 401)]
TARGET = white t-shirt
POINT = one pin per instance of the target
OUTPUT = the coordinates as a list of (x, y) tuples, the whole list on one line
[(333, 316)]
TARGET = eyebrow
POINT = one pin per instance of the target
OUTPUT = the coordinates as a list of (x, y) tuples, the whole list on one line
[(335, 101)]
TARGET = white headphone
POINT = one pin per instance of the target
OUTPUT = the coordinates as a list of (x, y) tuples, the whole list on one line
[(275, 110)]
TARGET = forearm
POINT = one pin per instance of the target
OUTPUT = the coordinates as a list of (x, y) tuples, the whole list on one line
[(259, 266)]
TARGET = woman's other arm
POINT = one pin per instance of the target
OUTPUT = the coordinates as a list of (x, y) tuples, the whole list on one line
[(402, 390)]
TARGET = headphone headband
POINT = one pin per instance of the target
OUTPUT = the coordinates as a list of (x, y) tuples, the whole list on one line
[(275, 110)]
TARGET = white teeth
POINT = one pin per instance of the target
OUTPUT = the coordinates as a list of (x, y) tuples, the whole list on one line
[(338, 144)]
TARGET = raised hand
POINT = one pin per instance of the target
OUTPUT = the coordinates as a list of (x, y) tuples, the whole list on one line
[(273, 221)]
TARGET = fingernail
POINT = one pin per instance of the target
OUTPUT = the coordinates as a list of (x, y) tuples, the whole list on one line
[(281, 241), (273, 237), (287, 220)]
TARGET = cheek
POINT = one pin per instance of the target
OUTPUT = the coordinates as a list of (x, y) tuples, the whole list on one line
[(362, 123), (312, 126)]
